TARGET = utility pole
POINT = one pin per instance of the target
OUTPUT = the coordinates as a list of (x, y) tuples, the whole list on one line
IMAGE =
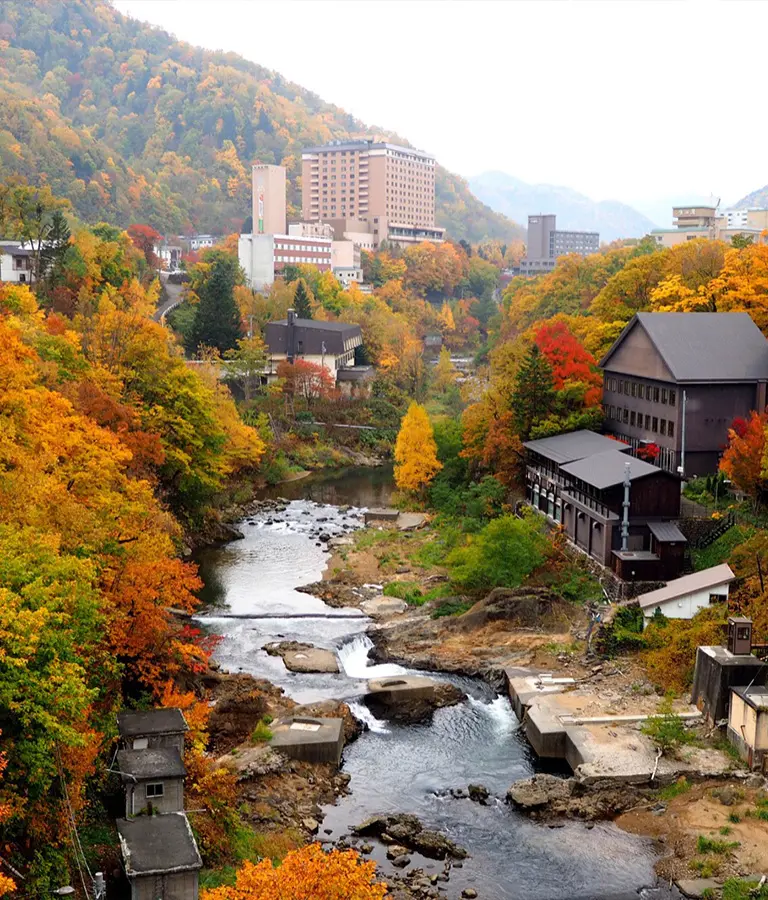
[(681, 467), (625, 505)]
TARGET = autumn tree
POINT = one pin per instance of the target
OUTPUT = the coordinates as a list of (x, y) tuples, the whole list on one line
[(306, 380), (309, 873), (447, 322), (245, 364), (217, 321), (445, 374), (145, 239), (569, 361), (416, 462), (302, 300), (533, 391), (744, 460)]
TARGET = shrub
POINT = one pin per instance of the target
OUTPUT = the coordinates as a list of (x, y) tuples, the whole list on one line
[(681, 786), (405, 590), (452, 607), (261, 733), (667, 730), (710, 845)]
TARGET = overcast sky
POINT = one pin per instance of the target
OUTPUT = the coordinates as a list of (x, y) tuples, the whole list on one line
[(646, 101)]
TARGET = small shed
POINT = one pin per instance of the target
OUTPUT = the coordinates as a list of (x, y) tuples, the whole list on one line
[(160, 856), (669, 544), (748, 724), (153, 779), (683, 597), (152, 728)]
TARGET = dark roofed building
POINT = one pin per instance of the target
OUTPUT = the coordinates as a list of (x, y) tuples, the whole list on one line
[(717, 362), (154, 780), (152, 728), (577, 480), (160, 856)]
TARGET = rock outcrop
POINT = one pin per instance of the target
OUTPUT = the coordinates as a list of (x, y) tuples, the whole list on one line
[(546, 796), (407, 831), (298, 657)]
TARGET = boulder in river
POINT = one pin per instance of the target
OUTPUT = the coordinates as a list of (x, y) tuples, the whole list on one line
[(546, 797), (407, 831)]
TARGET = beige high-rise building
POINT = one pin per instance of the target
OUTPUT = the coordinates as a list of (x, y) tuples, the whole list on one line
[(268, 199), (368, 179)]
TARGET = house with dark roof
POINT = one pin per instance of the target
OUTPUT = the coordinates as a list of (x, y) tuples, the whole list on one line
[(153, 779), (578, 481), (143, 729), (160, 856), (678, 380)]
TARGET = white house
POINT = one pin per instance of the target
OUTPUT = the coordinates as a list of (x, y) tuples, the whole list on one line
[(15, 262), (684, 597)]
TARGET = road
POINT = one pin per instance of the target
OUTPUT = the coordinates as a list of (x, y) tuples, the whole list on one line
[(174, 292)]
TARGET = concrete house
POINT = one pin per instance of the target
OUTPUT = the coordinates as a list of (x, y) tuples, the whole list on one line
[(161, 858), (577, 480), (674, 378), (683, 597), (152, 729), (748, 724), (153, 779), (16, 262)]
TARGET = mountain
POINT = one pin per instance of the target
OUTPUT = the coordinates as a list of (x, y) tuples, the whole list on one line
[(134, 126), (518, 200), (756, 198)]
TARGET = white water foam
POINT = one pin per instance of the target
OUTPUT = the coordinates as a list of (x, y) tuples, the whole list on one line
[(361, 712), (499, 711), (353, 657)]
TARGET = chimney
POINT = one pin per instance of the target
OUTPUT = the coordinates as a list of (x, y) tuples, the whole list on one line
[(290, 337)]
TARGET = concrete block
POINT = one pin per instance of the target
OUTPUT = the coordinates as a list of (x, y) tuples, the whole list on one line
[(309, 739), (545, 732), (400, 688), (381, 514)]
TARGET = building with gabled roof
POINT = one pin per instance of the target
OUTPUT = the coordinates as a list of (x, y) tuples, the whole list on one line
[(141, 729), (671, 378), (683, 597)]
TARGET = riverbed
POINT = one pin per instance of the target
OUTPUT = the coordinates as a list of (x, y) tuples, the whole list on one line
[(404, 768)]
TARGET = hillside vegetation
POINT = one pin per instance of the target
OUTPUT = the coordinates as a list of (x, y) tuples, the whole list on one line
[(117, 114)]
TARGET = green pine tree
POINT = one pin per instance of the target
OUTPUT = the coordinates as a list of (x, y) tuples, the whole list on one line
[(534, 392), (302, 300), (217, 319)]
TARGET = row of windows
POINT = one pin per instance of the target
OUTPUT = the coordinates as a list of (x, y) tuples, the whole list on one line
[(315, 248), (642, 391), (650, 423), (300, 259)]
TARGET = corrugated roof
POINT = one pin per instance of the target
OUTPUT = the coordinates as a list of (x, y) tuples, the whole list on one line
[(136, 723), (603, 470), (688, 584), (704, 346), (154, 762), (154, 845), (667, 532), (565, 448)]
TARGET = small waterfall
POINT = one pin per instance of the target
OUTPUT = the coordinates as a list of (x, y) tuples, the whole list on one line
[(499, 713), (361, 712), (353, 657)]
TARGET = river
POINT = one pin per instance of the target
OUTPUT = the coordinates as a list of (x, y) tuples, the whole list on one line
[(405, 768)]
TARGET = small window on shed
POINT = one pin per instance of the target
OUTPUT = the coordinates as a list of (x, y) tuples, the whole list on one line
[(155, 789), (140, 743)]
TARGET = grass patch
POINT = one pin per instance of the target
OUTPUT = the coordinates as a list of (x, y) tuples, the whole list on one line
[(705, 844), (559, 649), (454, 606), (681, 786), (370, 537), (725, 830), (262, 732), (405, 590), (734, 817), (720, 551), (736, 889), (705, 868)]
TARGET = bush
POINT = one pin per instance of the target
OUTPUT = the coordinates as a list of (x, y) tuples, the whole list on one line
[(710, 845), (261, 733), (454, 606), (502, 554), (667, 730), (405, 590), (672, 646)]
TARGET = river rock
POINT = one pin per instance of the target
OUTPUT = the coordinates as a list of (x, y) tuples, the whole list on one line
[(396, 850), (546, 796), (479, 793), (381, 606), (539, 791), (407, 831), (469, 893), (299, 657), (311, 825)]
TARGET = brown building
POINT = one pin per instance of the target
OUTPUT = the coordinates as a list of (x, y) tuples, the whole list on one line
[(684, 377), (577, 481), (390, 188)]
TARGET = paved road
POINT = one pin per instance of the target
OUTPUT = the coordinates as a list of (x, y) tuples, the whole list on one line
[(174, 298)]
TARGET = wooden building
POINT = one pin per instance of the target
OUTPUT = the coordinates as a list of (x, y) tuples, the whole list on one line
[(674, 377), (153, 779), (152, 728)]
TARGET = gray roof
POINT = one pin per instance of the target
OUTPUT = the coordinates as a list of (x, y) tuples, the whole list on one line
[(338, 337), (137, 723), (756, 695), (565, 448), (704, 346), (688, 584), (355, 373), (154, 845), (604, 470), (667, 532), (154, 762)]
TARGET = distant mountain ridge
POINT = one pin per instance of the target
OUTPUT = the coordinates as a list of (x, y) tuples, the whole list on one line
[(518, 199), (134, 126), (756, 198)]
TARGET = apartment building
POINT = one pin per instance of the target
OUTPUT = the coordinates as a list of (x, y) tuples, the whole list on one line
[(754, 217), (546, 243), (705, 222), (678, 380), (268, 184), (264, 256)]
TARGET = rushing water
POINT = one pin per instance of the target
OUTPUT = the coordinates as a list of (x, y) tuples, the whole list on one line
[(404, 768)]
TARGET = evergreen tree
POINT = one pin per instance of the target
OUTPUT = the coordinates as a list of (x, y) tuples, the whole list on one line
[(534, 392), (302, 300), (217, 320)]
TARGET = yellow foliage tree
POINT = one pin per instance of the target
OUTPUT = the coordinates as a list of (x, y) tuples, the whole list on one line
[(305, 874), (445, 373), (447, 322), (416, 462)]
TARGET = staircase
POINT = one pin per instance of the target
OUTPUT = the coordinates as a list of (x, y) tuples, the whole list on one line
[(723, 525)]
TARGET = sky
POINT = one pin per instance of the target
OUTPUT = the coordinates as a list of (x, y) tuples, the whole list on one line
[(651, 102)]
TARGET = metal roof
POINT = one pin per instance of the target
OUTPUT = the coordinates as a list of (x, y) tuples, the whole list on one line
[(667, 532), (154, 762), (155, 845), (604, 470), (702, 346), (756, 695), (565, 448), (688, 584), (314, 337), (136, 723)]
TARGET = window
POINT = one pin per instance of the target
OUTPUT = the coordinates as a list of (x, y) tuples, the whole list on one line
[(611, 412), (654, 424), (641, 391), (625, 417), (663, 426), (670, 429), (634, 389), (715, 598), (626, 388), (155, 789), (671, 398), (620, 387), (632, 417), (655, 395), (664, 395)]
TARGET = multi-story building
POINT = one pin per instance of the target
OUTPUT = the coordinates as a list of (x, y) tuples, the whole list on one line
[(546, 243), (703, 221), (268, 199), (754, 217), (678, 380), (16, 262), (264, 256)]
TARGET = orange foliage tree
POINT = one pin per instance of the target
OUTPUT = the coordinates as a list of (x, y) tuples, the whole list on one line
[(569, 360), (305, 874), (744, 459), (305, 379)]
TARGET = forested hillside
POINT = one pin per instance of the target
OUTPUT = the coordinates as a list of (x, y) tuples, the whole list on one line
[(120, 116)]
